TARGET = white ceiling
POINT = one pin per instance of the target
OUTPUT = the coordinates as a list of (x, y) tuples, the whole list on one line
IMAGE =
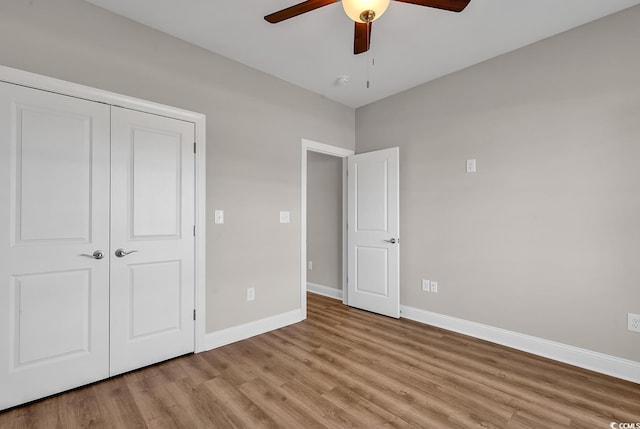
[(410, 44)]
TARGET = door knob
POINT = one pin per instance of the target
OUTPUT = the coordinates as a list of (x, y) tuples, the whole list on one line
[(392, 241), (98, 254), (121, 253)]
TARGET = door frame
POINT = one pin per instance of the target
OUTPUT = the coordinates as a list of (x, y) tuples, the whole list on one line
[(312, 146), (45, 83)]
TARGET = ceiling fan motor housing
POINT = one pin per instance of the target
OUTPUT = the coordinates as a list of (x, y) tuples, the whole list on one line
[(365, 11), (368, 16)]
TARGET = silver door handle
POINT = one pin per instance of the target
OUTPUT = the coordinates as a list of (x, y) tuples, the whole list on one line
[(121, 253), (98, 254), (392, 241)]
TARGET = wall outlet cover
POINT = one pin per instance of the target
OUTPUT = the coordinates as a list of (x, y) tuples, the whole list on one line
[(251, 293), (434, 287), (425, 285)]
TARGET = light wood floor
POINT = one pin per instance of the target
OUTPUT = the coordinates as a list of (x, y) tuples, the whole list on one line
[(345, 368)]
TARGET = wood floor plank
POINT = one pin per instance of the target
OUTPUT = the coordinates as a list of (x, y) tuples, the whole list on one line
[(45, 415), (310, 379), (153, 406), (198, 369), (194, 401), (166, 399), (116, 403), (271, 400), (367, 412), (228, 361), (79, 408), (344, 368), (248, 414), (325, 411)]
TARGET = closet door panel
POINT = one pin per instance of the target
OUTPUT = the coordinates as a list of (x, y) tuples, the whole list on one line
[(152, 288), (54, 214)]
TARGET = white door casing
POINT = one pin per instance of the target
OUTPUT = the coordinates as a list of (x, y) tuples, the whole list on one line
[(54, 296), (313, 146), (373, 232), (152, 205)]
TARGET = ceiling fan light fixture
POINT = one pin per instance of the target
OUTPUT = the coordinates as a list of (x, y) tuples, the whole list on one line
[(365, 10)]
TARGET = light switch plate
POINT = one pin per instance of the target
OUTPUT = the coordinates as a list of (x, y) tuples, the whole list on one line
[(285, 217), (471, 165), (633, 322), (218, 216)]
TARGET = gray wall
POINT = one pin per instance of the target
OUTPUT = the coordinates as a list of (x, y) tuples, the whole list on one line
[(255, 124), (545, 238), (324, 219)]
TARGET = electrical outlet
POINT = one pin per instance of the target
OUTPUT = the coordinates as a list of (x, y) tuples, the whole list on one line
[(425, 285), (251, 293), (434, 287), (633, 322), (310, 265)]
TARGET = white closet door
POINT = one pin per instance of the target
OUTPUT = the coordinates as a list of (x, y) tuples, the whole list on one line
[(54, 214), (152, 216)]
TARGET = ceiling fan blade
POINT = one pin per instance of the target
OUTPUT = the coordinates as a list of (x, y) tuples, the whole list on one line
[(451, 5), (361, 37), (299, 9)]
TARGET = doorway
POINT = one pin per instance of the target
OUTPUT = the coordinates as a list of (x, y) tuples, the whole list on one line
[(324, 224), (370, 216), (313, 148)]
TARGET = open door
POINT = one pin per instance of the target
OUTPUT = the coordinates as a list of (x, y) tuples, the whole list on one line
[(373, 232)]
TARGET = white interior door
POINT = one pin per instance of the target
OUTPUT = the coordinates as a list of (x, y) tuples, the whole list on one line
[(54, 214), (373, 232), (152, 206)]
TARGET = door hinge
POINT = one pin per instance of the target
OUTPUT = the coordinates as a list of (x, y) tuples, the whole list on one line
[(194, 147), (194, 230), (194, 314)]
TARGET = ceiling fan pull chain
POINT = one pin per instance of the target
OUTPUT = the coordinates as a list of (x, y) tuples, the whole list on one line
[(368, 67), (370, 64)]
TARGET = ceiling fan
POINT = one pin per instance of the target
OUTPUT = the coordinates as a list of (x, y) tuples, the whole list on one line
[(363, 13)]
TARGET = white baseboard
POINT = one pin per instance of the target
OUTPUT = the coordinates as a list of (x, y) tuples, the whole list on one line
[(324, 290), (594, 361), (251, 329)]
